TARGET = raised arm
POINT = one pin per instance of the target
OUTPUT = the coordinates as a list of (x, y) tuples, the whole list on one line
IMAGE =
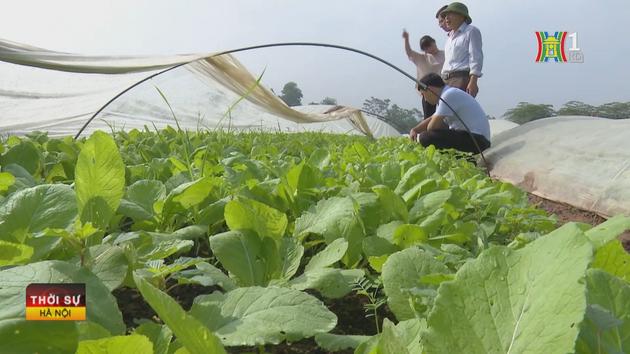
[(411, 54)]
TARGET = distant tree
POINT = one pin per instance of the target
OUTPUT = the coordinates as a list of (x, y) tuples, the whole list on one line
[(329, 101), (400, 118), (577, 108), (526, 112), (291, 94), (614, 110)]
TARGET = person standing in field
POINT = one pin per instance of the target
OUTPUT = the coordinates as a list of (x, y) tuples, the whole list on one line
[(463, 60), (429, 61)]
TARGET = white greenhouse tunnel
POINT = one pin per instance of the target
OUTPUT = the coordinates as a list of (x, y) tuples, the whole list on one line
[(581, 161)]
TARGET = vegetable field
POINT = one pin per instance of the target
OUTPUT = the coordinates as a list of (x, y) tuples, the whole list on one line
[(276, 239)]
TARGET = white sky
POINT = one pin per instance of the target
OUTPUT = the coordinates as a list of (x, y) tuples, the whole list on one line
[(507, 26)]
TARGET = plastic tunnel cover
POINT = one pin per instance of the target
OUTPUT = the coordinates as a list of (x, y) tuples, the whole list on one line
[(59, 92), (581, 161)]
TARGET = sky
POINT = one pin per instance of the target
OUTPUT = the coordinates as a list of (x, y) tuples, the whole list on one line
[(510, 73)]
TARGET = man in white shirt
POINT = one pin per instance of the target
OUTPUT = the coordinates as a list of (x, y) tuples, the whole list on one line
[(429, 61), (463, 54), (444, 129)]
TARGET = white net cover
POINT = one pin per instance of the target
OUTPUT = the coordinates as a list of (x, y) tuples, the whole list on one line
[(60, 92), (581, 161)]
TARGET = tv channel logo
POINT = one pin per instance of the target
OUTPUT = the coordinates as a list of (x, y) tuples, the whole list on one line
[(552, 48), (55, 302)]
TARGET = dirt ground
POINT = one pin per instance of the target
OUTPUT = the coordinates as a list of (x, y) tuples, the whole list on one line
[(567, 213)]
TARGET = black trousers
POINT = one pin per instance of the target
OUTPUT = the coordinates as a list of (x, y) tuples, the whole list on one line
[(427, 108), (453, 139)]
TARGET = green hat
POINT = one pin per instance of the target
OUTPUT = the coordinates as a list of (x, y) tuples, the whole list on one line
[(458, 8)]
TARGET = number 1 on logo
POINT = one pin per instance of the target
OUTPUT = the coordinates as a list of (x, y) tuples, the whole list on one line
[(573, 37)]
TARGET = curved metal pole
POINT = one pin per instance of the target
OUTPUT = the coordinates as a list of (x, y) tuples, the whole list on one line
[(235, 51), (287, 44)]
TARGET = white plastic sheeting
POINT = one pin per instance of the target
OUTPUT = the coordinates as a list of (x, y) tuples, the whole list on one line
[(498, 126), (59, 92), (581, 161)]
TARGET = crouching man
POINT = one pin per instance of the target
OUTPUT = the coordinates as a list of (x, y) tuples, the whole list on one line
[(443, 129)]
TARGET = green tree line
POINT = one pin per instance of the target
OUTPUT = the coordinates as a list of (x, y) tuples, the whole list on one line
[(526, 112)]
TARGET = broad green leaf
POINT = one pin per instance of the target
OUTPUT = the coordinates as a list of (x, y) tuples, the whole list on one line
[(607, 295), (195, 336), (255, 315), (320, 158), (99, 179), (161, 270), (530, 300), (19, 336), (140, 198), (164, 248), (404, 270), (42, 246), (409, 235), (410, 332), (391, 203), (301, 177), (188, 195), (361, 150), (378, 246), (101, 305), (328, 256), (332, 219), (6, 181), (377, 249), (242, 254), (160, 335), (25, 154), (333, 283), (377, 262), (371, 211), (108, 263), (390, 342), (614, 259), (428, 204), (213, 213), (207, 275), (412, 177), (90, 330), (608, 230), (422, 188), (386, 231), (14, 253), (390, 174), (401, 338), (34, 209), (23, 179), (135, 344), (337, 342), (369, 346), (248, 214), (56, 174), (291, 253)]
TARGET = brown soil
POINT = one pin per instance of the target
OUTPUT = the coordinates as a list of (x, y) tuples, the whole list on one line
[(566, 213), (349, 310)]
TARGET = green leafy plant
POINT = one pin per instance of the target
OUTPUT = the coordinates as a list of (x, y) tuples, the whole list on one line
[(370, 289)]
